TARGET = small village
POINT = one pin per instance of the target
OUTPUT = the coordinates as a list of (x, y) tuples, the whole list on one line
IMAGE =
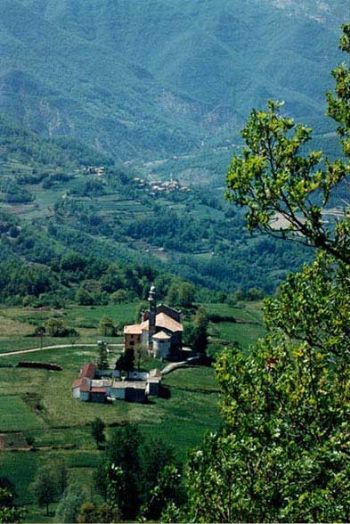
[(154, 187), (159, 335)]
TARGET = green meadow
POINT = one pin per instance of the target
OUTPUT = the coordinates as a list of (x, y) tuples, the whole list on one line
[(39, 403)]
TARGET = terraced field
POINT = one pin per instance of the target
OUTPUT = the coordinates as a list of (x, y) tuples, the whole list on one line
[(39, 403)]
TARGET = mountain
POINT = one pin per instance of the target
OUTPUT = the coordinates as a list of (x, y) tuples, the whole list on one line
[(150, 79)]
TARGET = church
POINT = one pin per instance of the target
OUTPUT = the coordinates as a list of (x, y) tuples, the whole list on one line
[(160, 331)]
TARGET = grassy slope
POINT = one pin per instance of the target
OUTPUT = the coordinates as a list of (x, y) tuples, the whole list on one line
[(39, 402)]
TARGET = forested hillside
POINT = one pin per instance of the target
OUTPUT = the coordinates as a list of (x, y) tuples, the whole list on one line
[(146, 141), (152, 79), (58, 195)]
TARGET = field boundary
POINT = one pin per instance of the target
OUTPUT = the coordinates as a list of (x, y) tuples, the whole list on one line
[(60, 346)]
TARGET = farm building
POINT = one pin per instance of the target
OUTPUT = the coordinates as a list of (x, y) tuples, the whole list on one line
[(160, 331), (96, 385)]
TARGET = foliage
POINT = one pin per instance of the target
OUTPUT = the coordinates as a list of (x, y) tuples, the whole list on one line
[(282, 453), (167, 491), (44, 487), (119, 297), (97, 431), (122, 468), (155, 455), (88, 513), (102, 360), (56, 327), (69, 505), (83, 297), (339, 102), (196, 335), (9, 511), (181, 294), (126, 361), (94, 512), (274, 177), (49, 483), (137, 476), (106, 327)]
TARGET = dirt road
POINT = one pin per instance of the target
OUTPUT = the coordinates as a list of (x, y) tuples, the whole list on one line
[(62, 346)]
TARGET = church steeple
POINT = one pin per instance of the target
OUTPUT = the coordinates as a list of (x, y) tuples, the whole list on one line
[(152, 301)]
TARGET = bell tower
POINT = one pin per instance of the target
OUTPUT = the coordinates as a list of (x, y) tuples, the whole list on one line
[(152, 301)]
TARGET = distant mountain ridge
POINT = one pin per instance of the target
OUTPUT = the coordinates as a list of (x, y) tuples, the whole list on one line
[(152, 78)]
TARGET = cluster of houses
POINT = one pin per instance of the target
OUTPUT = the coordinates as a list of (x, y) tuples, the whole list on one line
[(160, 334), (167, 186), (94, 385), (94, 170)]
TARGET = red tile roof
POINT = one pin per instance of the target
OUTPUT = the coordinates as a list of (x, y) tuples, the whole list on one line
[(134, 329), (88, 370), (164, 321), (85, 385)]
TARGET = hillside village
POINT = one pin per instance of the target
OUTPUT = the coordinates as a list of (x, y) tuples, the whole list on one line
[(203, 147), (154, 187), (159, 335)]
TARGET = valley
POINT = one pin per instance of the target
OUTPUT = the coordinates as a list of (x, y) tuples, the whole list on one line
[(174, 261)]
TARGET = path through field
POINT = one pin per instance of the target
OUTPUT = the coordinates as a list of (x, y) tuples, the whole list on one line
[(62, 346)]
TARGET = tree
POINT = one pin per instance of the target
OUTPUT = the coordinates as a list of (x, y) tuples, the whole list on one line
[(97, 431), (69, 506), (274, 177), (106, 327), (93, 512), (49, 483), (169, 490), (83, 297), (56, 327), (132, 468), (61, 475), (143, 306), (197, 332), (40, 332), (161, 479), (44, 487), (102, 361), (122, 470), (155, 455), (119, 297), (187, 294), (126, 361), (109, 513), (181, 293), (282, 452), (339, 102), (139, 352), (9, 511)]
